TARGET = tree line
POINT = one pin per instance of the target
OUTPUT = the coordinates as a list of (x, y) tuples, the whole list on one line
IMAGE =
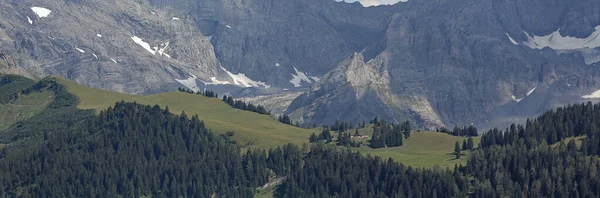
[(238, 104), (465, 131)]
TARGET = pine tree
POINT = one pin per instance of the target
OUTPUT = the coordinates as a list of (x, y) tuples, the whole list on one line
[(457, 150), (470, 143)]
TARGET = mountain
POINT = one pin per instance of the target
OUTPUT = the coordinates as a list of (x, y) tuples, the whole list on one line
[(461, 62), (433, 62)]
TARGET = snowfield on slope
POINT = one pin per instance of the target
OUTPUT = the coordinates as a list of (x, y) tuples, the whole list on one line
[(41, 12)]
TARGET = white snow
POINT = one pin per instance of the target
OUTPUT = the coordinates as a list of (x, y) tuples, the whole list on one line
[(298, 78), (41, 12), (29, 20), (531, 91), (242, 80), (516, 99), (176, 19), (228, 26), (512, 40), (152, 50), (190, 83), (594, 95), (369, 3), (99, 35), (80, 50), (145, 45), (527, 94), (161, 51), (558, 42), (277, 64), (95, 55), (215, 81), (113, 60), (567, 45), (315, 78)]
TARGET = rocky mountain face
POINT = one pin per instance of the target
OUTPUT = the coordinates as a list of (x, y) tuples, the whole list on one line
[(460, 62), (436, 62)]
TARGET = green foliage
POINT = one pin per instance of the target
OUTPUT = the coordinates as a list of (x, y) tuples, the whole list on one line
[(132, 150), (11, 84), (457, 150), (329, 172), (252, 130), (389, 134)]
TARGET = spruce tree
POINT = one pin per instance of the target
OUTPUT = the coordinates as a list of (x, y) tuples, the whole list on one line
[(457, 150), (470, 144)]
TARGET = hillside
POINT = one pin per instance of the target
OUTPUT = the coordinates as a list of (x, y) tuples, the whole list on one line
[(424, 149), (252, 129), (23, 107), (135, 150)]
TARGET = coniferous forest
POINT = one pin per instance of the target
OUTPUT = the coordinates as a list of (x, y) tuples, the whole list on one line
[(133, 150)]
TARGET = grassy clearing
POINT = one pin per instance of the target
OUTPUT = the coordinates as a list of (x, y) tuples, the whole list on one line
[(24, 107), (566, 141), (252, 129), (424, 149)]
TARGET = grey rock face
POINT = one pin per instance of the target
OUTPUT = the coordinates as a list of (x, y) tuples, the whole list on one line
[(435, 62), (456, 58)]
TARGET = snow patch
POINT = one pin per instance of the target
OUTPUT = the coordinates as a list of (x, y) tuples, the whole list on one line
[(95, 55), (215, 81), (594, 95), (369, 3), (558, 42), (512, 40), (41, 12), (242, 80), (516, 99), (527, 94), (176, 19), (113, 60), (80, 50), (315, 78), (152, 50), (299, 77), (29, 20), (228, 26), (190, 83), (99, 35), (567, 45), (277, 64), (531, 91)]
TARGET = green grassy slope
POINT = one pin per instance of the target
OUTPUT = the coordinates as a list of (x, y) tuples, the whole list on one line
[(24, 107), (424, 149), (255, 130), (10, 84)]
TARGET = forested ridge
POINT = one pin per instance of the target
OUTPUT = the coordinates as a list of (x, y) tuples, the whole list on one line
[(133, 150)]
